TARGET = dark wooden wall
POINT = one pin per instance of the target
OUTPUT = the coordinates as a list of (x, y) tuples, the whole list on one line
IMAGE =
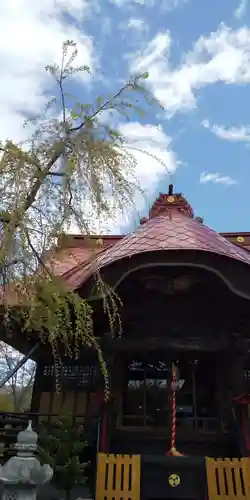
[(80, 384)]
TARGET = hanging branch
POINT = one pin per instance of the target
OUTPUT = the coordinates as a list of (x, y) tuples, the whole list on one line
[(72, 166)]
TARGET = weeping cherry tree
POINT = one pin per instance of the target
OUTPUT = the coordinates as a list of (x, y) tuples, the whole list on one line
[(73, 165)]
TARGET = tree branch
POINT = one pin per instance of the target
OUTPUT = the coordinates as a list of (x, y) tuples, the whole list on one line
[(106, 104)]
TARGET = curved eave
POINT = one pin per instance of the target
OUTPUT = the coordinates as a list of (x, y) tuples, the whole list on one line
[(80, 275), (178, 233)]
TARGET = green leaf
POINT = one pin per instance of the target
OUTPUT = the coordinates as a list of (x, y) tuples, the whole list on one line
[(115, 135), (71, 165), (74, 115), (86, 68)]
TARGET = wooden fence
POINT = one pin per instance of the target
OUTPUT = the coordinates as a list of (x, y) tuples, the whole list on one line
[(228, 478), (118, 477)]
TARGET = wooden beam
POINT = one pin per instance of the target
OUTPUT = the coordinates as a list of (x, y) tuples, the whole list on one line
[(167, 342)]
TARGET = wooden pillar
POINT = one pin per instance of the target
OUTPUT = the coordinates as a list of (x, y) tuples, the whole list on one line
[(230, 380), (104, 429), (236, 367), (223, 394)]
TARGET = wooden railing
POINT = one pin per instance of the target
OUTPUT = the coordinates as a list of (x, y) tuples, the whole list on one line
[(228, 479), (118, 477)]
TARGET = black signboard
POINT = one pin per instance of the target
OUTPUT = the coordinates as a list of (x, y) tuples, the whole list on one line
[(71, 376)]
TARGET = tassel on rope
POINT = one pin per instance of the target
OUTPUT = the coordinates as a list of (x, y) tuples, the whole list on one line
[(173, 451)]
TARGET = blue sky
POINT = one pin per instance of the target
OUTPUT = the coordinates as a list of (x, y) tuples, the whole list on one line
[(198, 57)]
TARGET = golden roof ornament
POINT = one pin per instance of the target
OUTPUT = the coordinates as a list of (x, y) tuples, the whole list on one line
[(165, 202), (99, 242), (170, 199)]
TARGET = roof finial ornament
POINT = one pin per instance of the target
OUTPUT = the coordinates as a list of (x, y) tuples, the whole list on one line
[(170, 190), (199, 219), (164, 203)]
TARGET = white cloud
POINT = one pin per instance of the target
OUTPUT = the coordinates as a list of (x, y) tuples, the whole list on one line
[(137, 24), (217, 179), (153, 57), (222, 56), (165, 5), (131, 3), (233, 134), (40, 28), (241, 9), (31, 36), (168, 5), (133, 30), (151, 148)]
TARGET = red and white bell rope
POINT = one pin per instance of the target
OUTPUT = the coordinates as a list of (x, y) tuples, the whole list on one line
[(174, 385)]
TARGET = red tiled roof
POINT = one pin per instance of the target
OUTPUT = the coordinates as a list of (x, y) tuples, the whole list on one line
[(68, 258), (170, 227), (76, 250)]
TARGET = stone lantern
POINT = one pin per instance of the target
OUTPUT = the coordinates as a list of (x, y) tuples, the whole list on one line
[(23, 473)]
